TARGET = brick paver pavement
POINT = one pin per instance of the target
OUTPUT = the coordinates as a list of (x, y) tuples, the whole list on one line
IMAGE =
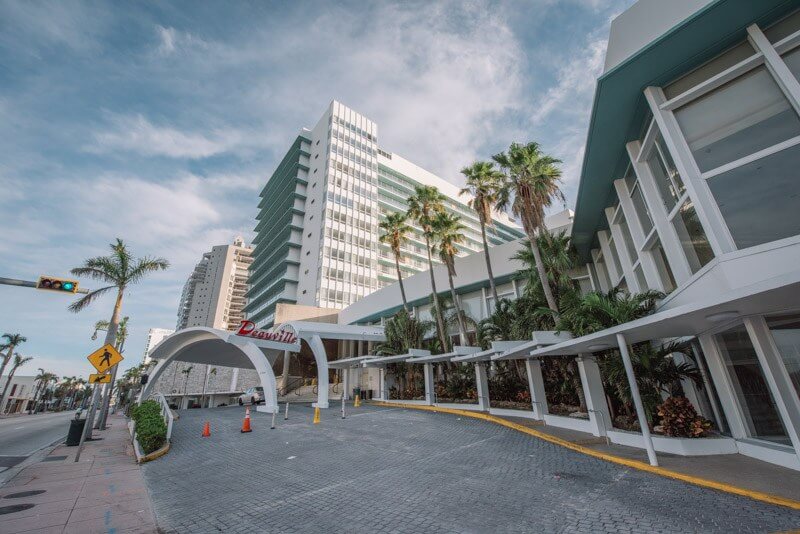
[(396, 470)]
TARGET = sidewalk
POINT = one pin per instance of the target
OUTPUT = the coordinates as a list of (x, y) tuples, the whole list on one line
[(104, 492)]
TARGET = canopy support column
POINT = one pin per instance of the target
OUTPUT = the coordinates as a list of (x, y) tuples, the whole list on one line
[(592, 383), (382, 383), (321, 357), (482, 385), (536, 386), (346, 383), (427, 369), (637, 400)]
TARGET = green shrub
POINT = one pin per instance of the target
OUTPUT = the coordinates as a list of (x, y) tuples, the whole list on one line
[(151, 430)]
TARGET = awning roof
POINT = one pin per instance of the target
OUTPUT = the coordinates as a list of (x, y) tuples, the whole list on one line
[(305, 329), (769, 296), (486, 355), (346, 363), (521, 350), (383, 360)]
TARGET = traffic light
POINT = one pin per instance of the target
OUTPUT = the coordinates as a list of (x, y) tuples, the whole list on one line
[(57, 284)]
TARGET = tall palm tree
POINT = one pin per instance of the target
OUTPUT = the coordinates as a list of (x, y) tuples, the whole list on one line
[(13, 341), (448, 230), (38, 379), (186, 373), (423, 206), (558, 257), (211, 372), (119, 270), (395, 234), (484, 183), (122, 332), (531, 185), (18, 362)]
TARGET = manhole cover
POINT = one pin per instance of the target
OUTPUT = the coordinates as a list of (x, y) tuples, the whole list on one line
[(54, 458), (15, 508), (21, 494)]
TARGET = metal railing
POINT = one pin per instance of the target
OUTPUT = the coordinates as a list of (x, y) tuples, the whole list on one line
[(166, 413)]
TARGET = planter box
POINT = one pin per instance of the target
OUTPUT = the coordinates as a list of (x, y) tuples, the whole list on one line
[(678, 446), (571, 423), (510, 412), (458, 406)]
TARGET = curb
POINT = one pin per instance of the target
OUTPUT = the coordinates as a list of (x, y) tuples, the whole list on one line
[(634, 464)]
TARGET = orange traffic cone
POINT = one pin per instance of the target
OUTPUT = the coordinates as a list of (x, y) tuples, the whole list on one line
[(207, 430), (246, 422)]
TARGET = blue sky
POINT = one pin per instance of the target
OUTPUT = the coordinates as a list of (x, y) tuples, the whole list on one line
[(160, 123)]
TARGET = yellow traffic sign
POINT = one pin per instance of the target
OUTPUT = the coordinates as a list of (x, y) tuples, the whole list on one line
[(105, 358), (97, 378)]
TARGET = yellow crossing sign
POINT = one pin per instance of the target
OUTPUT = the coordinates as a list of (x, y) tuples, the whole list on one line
[(99, 378), (105, 358)]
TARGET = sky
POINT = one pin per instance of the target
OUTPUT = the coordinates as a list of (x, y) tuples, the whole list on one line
[(160, 123)]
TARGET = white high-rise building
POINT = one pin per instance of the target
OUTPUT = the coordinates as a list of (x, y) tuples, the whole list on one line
[(317, 232), (154, 337)]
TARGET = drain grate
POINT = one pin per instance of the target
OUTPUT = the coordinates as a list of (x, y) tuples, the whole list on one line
[(21, 494), (54, 458), (15, 508)]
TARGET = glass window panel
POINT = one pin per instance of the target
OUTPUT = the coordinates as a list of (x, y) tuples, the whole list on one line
[(710, 69), (640, 279), (661, 176), (786, 333), (664, 271), (630, 178), (641, 210), (759, 201), (602, 273), (626, 234), (612, 247), (741, 117), (669, 164), (692, 236), (751, 389), (783, 28), (792, 60)]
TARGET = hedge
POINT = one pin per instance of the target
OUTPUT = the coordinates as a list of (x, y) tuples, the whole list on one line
[(151, 430)]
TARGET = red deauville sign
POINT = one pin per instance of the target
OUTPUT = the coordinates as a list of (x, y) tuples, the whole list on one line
[(249, 329)]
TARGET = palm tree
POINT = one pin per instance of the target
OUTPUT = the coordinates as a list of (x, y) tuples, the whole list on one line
[(186, 373), (13, 340), (558, 257), (38, 379), (19, 361), (119, 270), (448, 230), (122, 332), (395, 234), (212, 372), (483, 183), (597, 311), (423, 206), (532, 180)]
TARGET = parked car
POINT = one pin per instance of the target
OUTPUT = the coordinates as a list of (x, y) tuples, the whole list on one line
[(252, 396)]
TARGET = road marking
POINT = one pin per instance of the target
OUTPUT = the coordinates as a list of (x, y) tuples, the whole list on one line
[(635, 464), (19, 428)]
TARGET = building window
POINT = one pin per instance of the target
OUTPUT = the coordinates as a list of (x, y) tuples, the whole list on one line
[(664, 271), (669, 182), (692, 237), (753, 395), (786, 333)]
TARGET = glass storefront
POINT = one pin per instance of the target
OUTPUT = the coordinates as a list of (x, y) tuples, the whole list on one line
[(786, 333), (750, 387)]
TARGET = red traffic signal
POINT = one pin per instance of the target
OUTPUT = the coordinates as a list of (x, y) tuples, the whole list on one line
[(57, 284)]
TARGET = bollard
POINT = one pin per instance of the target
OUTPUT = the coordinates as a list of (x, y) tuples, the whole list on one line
[(357, 401), (273, 420), (286, 414), (316, 415), (342, 405)]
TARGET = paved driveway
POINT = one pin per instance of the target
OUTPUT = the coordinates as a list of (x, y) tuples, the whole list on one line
[(396, 470)]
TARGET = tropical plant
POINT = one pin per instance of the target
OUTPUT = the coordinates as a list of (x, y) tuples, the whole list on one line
[(679, 419), (186, 372), (531, 185), (395, 235), (151, 430), (18, 362), (122, 332), (119, 270), (211, 372), (559, 258), (12, 342), (403, 332), (514, 320), (597, 311), (483, 182), (447, 230)]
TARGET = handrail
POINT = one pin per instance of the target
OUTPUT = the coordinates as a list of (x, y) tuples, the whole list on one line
[(166, 413), (291, 386)]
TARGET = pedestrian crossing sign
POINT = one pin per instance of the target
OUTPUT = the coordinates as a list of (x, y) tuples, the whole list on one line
[(105, 358), (99, 378)]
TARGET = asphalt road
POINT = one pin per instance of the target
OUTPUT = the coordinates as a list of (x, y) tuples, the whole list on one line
[(23, 435), (409, 472)]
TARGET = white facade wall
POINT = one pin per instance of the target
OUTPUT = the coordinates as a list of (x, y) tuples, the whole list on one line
[(154, 337)]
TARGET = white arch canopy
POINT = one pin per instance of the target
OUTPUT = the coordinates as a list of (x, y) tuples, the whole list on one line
[(203, 345)]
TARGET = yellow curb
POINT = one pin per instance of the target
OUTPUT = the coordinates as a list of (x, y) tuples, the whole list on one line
[(635, 464), (155, 454)]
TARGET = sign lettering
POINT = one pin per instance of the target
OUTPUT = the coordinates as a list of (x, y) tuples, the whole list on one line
[(248, 329)]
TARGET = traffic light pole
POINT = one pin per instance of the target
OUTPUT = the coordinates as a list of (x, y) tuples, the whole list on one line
[(87, 426), (28, 283)]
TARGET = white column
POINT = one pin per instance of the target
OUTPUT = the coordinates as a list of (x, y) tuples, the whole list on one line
[(637, 400), (346, 382), (622, 253), (778, 379), (613, 275), (723, 385), (708, 385), (536, 386), (285, 377), (638, 236), (321, 359), (382, 383), (427, 369), (482, 385), (595, 394)]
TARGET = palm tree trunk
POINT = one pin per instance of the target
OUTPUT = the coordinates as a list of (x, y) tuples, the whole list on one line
[(111, 339), (462, 329), (35, 394), (6, 359), (548, 292), (400, 279), (489, 264), (5, 389), (439, 320)]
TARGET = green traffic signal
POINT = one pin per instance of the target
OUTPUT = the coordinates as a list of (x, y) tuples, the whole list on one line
[(57, 284)]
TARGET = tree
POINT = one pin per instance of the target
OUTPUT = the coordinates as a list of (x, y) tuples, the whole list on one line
[(122, 332), (484, 183), (531, 184), (395, 234), (211, 372), (119, 270), (447, 230), (13, 341), (559, 258), (18, 362), (186, 373), (39, 379), (423, 206), (597, 311)]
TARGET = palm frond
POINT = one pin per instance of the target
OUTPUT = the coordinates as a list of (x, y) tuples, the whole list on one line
[(87, 299), (143, 267)]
